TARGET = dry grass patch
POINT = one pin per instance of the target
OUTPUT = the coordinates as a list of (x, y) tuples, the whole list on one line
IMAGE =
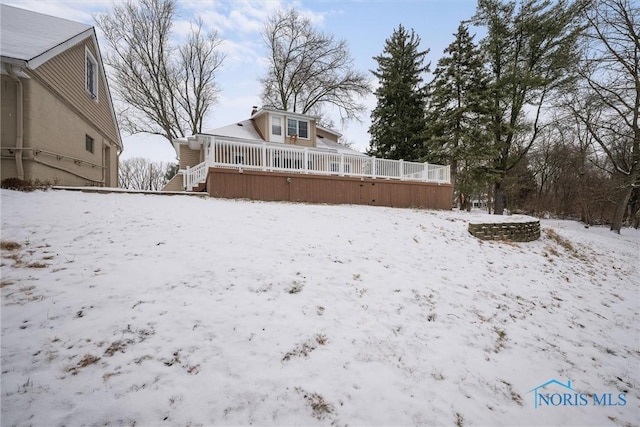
[(295, 288), (306, 347), (319, 406), (501, 340), (108, 375), (459, 420), (566, 244), (7, 245), (513, 394), (4, 283), (437, 375), (36, 265), (117, 346), (88, 359)]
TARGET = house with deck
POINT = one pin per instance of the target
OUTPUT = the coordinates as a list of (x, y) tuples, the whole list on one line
[(58, 121), (283, 156)]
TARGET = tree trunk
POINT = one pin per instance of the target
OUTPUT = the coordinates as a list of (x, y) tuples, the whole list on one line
[(498, 198), (621, 207), (454, 176), (489, 198)]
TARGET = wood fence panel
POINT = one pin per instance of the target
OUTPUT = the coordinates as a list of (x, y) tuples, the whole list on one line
[(292, 187)]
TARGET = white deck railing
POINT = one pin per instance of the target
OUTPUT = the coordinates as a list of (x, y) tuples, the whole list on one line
[(308, 160), (195, 175)]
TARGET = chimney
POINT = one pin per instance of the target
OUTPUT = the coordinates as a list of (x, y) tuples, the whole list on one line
[(254, 110)]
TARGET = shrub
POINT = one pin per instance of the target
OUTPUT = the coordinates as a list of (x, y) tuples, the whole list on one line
[(24, 185)]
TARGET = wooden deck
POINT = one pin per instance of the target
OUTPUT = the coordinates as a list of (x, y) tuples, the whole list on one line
[(307, 188)]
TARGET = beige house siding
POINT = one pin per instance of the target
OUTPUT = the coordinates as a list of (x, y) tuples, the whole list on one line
[(55, 141), (189, 157), (8, 125), (61, 144), (65, 74), (263, 123), (301, 141), (326, 135), (262, 126), (8, 117)]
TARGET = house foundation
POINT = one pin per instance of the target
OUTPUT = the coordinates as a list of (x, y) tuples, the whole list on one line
[(307, 188)]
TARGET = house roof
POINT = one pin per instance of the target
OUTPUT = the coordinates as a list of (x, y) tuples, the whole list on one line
[(331, 131), (34, 38), (267, 109), (247, 132), (327, 144), (29, 39), (242, 130)]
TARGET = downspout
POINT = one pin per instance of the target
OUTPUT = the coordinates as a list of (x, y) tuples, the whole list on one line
[(19, 120), (104, 163)]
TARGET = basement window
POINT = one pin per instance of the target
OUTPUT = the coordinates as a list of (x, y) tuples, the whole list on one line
[(88, 143), (91, 75)]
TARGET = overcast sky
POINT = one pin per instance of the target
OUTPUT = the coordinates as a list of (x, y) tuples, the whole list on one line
[(363, 24)]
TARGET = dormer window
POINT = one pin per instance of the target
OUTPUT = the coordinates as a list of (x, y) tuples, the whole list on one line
[(91, 75), (276, 133), (299, 128), (276, 125)]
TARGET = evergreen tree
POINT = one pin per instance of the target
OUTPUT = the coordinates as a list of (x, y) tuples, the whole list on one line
[(531, 51), (398, 121), (457, 116)]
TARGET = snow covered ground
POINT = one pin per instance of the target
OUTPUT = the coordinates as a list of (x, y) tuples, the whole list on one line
[(121, 309)]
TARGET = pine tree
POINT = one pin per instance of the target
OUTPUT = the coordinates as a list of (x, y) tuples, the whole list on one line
[(398, 121), (457, 115), (531, 49)]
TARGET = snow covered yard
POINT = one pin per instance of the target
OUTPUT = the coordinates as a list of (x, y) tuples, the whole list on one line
[(122, 309)]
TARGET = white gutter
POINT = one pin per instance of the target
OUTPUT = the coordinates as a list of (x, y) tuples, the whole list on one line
[(19, 122)]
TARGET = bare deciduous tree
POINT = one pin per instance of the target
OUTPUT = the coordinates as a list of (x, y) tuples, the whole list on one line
[(309, 69), (608, 104), (142, 174), (167, 89)]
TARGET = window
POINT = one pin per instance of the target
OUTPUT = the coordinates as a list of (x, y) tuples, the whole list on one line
[(303, 129), (299, 128), (88, 143), (276, 125), (292, 127), (91, 75)]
